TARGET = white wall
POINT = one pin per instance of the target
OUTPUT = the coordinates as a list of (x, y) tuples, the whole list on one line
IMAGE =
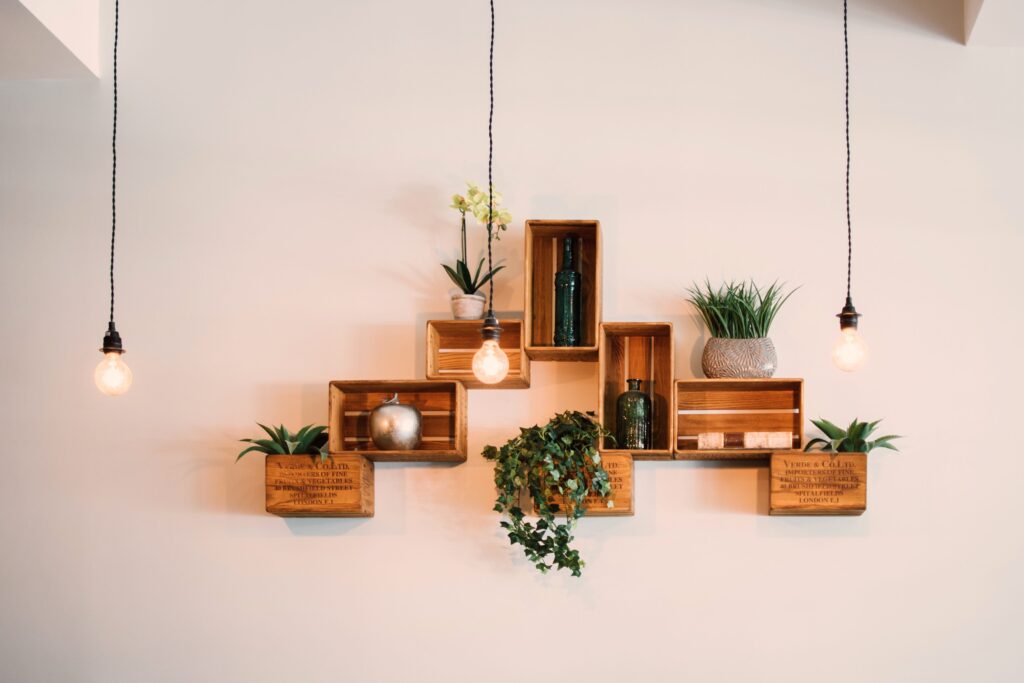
[(285, 175)]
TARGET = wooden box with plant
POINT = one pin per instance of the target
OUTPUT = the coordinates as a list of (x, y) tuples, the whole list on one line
[(559, 459), (738, 315), (452, 344), (467, 304), (544, 259), (830, 476), (304, 480)]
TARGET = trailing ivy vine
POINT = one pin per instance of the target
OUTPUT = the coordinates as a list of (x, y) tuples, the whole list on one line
[(558, 461)]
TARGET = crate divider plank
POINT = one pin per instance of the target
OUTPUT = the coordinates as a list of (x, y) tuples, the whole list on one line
[(644, 351), (736, 405), (451, 345), (443, 405), (543, 258)]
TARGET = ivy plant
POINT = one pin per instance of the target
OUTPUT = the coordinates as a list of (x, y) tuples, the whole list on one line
[(853, 439), (556, 462)]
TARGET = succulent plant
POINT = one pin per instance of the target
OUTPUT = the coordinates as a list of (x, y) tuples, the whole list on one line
[(853, 439), (311, 440)]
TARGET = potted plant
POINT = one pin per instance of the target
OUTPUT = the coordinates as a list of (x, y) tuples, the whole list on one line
[(559, 460), (310, 440), (738, 315), (303, 480), (853, 439), (466, 303)]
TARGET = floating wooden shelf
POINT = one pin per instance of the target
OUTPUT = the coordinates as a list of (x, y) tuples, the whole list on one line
[(305, 486), (451, 345), (442, 404), (736, 405), (543, 259), (620, 474), (643, 351), (818, 483)]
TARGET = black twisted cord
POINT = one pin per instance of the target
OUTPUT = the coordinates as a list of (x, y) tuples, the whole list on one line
[(113, 173), (849, 223), (490, 164)]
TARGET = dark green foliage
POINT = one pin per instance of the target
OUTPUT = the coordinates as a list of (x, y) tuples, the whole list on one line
[(467, 282), (738, 310), (853, 439), (310, 439), (561, 459)]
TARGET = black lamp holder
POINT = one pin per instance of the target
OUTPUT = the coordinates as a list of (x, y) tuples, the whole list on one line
[(849, 316), (112, 340), (491, 329)]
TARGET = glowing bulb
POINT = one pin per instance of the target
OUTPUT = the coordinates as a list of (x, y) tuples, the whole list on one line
[(850, 350), (112, 376), (490, 363)]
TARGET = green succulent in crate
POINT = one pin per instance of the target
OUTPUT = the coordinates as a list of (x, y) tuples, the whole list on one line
[(310, 440), (558, 459), (854, 439)]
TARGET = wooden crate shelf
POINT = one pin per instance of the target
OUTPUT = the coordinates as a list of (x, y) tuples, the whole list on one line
[(451, 345), (818, 483), (543, 259), (442, 404), (643, 351), (736, 405), (305, 486)]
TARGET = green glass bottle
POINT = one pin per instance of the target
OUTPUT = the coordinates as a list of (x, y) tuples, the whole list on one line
[(568, 298), (633, 418)]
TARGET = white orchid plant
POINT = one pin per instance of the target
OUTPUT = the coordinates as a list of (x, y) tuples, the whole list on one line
[(476, 202)]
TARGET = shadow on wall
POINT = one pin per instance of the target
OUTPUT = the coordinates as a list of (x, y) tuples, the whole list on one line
[(938, 17)]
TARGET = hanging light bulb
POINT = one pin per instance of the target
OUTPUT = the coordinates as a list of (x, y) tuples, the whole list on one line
[(112, 376), (490, 362), (849, 351)]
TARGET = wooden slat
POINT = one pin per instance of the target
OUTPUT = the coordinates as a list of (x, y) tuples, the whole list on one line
[(542, 292), (612, 371), (662, 389), (303, 486), (458, 361), (443, 400), (357, 425), (766, 399), (691, 425)]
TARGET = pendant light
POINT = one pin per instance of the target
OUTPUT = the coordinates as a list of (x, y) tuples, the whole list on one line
[(849, 351), (112, 376), (490, 363)]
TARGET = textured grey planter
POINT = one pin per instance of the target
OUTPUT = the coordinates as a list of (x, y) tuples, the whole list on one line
[(739, 358)]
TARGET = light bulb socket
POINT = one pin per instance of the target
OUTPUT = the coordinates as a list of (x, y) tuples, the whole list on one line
[(491, 329), (112, 340), (849, 317)]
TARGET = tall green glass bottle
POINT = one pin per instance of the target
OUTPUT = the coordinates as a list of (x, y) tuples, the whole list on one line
[(568, 298), (633, 418)]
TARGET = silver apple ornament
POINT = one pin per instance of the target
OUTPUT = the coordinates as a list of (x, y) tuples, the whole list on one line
[(395, 426)]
